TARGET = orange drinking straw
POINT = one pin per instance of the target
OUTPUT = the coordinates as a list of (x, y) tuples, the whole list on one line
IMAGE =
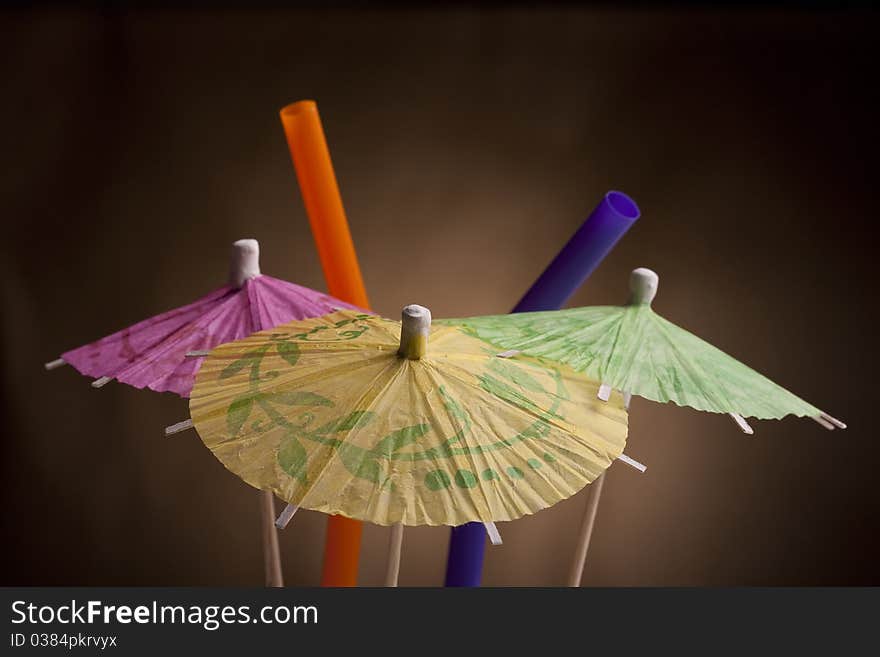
[(320, 192), (311, 159)]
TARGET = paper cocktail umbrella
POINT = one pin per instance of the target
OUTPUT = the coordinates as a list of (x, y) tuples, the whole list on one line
[(402, 422), (153, 353), (634, 350), (164, 352)]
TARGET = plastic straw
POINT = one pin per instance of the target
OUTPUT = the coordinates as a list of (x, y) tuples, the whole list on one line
[(566, 273), (320, 192), (583, 253)]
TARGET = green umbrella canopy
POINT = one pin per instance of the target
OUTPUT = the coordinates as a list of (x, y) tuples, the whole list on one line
[(633, 349)]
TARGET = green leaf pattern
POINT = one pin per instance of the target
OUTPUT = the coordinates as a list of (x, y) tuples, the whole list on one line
[(503, 379)]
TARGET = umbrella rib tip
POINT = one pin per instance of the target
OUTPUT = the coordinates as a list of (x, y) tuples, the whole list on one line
[(180, 426), (641, 467), (740, 421), (285, 516), (832, 420), (494, 534)]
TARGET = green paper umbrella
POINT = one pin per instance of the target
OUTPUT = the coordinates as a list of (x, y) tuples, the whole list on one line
[(633, 349)]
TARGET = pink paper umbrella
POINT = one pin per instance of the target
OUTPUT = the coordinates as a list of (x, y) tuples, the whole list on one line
[(163, 353)]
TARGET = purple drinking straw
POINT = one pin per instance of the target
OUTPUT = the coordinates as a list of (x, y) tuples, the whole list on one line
[(570, 268)]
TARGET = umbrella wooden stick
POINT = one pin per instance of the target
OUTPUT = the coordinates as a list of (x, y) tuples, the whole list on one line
[(415, 325), (271, 551), (583, 544), (395, 542), (586, 533)]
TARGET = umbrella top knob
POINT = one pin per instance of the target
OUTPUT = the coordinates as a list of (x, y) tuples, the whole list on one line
[(245, 262), (643, 285), (415, 324)]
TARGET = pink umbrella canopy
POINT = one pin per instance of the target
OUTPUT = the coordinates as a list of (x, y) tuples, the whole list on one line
[(153, 353)]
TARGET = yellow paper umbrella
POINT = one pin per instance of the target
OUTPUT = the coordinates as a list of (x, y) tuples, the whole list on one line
[(400, 422)]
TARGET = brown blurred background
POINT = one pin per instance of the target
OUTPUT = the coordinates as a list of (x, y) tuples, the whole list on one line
[(139, 145)]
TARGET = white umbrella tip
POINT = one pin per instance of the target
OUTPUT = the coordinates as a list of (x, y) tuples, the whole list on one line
[(248, 245), (416, 315), (245, 261), (415, 325), (643, 284)]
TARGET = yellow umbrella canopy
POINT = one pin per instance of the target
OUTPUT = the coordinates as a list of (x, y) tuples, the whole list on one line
[(402, 422)]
